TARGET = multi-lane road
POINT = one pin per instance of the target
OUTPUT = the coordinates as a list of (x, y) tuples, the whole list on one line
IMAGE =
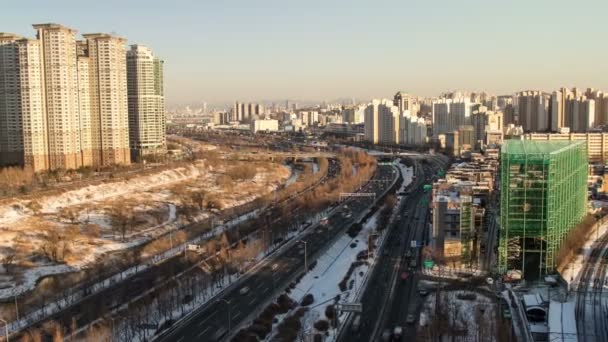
[(239, 304), (388, 299)]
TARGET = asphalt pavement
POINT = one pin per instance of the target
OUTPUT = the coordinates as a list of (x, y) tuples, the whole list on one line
[(388, 299), (218, 319)]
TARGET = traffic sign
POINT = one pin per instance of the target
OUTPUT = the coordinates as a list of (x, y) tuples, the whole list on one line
[(349, 307), (428, 263)]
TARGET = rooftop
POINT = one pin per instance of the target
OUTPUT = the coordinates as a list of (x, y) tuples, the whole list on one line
[(516, 146)]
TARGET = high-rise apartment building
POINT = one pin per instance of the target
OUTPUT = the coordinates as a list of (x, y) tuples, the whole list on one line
[(353, 115), (533, 111), (383, 123), (247, 111), (63, 103), (108, 98), (59, 74), (146, 102), (449, 114), (11, 123)]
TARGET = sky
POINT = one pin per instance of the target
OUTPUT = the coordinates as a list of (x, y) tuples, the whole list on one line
[(220, 51)]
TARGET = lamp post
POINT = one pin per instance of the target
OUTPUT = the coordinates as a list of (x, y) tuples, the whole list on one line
[(305, 256), (229, 317)]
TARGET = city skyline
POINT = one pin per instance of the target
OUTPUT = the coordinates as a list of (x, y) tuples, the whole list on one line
[(324, 50)]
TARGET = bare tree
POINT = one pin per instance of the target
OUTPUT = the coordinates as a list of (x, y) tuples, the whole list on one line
[(122, 218), (198, 197)]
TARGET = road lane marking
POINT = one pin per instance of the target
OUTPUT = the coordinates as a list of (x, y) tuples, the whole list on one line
[(206, 319), (265, 290), (180, 339), (204, 331), (236, 315), (252, 301)]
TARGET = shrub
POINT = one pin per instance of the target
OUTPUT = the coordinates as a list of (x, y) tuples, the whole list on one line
[(259, 330), (308, 299), (285, 303), (322, 325), (243, 172), (330, 312), (354, 230)]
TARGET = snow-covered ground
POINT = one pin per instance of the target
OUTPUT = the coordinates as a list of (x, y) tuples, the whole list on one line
[(322, 281), (151, 198)]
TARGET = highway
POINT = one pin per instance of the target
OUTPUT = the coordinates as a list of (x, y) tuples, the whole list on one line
[(387, 298), (217, 320)]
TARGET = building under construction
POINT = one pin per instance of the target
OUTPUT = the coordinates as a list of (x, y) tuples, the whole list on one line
[(543, 196)]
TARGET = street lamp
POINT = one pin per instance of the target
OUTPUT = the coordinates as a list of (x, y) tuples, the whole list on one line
[(305, 256), (5, 328), (229, 317)]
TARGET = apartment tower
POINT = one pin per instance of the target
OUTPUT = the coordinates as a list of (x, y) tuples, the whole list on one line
[(11, 123), (146, 102), (107, 98)]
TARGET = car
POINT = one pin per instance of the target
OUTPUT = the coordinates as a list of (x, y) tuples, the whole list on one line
[(244, 290), (386, 335), (410, 319), (423, 292), (397, 332)]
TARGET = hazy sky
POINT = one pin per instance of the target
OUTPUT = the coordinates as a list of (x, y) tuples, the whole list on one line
[(223, 50)]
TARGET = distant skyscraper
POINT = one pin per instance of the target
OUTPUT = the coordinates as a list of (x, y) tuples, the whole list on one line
[(449, 114), (402, 101), (533, 111), (147, 131), (383, 123)]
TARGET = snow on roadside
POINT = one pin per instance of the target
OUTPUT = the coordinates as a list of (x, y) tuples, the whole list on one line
[(322, 282)]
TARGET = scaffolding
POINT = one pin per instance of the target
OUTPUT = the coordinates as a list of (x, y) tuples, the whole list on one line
[(543, 195), (467, 229)]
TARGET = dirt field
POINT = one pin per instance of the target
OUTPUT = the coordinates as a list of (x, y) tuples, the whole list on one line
[(64, 232)]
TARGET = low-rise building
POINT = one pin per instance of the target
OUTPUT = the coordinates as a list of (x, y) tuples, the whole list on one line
[(265, 125)]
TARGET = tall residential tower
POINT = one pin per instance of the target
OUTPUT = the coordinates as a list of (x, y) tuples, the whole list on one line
[(146, 102)]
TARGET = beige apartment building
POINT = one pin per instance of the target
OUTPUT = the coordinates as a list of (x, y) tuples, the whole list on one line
[(59, 75), (383, 124), (597, 143), (63, 103), (107, 98), (146, 102)]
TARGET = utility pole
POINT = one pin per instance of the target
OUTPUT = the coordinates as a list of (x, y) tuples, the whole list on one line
[(305, 256)]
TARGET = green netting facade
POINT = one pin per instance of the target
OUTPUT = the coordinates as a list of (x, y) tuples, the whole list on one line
[(543, 194)]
